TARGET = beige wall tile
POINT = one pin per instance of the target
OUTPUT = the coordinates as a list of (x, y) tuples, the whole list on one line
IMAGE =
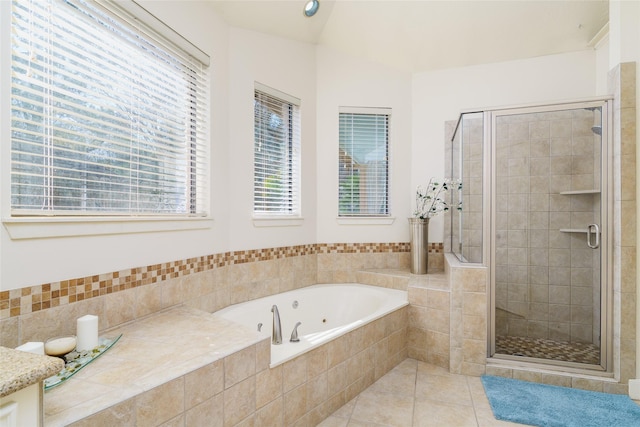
[(475, 327), (209, 412), (475, 304), (239, 366), (438, 299), (475, 351), (172, 292), (271, 414), (337, 352), (268, 386), (202, 384), (559, 380), (57, 321), (317, 362), (337, 379), (148, 300), (160, 404), (239, 401), (295, 404), (437, 342), (587, 384), (294, 373), (417, 296), (263, 354), (437, 320), (9, 332), (355, 342), (317, 391), (119, 308)]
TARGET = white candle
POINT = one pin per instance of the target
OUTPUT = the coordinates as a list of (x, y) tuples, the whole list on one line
[(87, 332), (32, 347)]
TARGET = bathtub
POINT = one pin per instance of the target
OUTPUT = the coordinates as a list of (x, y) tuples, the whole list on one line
[(325, 312)]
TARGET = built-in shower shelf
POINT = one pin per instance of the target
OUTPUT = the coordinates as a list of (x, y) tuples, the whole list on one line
[(573, 230), (569, 193)]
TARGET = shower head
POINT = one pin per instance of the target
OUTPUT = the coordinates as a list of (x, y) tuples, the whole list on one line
[(597, 130)]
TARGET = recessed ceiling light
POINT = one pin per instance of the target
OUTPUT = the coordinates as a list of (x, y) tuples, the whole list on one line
[(311, 8)]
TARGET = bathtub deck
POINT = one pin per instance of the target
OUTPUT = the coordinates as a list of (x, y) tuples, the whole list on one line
[(152, 352)]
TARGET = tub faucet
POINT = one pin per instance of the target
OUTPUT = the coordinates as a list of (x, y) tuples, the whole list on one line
[(294, 334), (276, 332)]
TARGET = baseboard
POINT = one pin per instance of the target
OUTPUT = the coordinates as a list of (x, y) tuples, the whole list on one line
[(634, 389)]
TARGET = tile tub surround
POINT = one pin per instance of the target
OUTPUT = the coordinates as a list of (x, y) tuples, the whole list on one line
[(156, 356), (218, 374), (210, 283), (429, 319)]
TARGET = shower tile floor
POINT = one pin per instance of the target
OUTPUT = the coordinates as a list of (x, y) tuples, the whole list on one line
[(548, 349), (416, 394)]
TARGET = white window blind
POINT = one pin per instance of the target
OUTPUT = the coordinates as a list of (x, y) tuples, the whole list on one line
[(107, 116), (276, 162), (363, 157)]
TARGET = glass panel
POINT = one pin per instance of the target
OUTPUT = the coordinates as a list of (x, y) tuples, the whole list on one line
[(466, 198), (547, 206)]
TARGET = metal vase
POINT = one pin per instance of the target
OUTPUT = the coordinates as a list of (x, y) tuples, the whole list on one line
[(419, 236)]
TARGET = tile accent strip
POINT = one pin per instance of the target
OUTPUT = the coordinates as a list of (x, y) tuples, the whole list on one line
[(41, 297)]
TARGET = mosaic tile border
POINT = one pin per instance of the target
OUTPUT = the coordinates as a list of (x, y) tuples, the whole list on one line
[(41, 297)]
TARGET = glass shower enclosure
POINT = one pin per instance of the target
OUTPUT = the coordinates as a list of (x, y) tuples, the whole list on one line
[(534, 198)]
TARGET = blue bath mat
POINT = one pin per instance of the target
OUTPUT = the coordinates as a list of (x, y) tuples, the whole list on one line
[(552, 406)]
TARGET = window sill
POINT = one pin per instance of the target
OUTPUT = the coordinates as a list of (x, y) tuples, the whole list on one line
[(277, 221), (46, 227), (388, 220)]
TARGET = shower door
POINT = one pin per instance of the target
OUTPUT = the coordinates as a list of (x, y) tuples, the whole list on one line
[(550, 234)]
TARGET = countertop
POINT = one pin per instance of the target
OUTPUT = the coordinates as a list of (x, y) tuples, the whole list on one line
[(19, 369)]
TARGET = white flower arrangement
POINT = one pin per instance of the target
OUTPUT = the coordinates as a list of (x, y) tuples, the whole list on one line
[(430, 200)]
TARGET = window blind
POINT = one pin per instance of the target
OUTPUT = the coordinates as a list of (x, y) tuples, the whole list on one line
[(276, 154), (363, 157), (107, 117)]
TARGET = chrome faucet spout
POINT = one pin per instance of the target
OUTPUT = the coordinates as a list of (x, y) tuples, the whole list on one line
[(276, 332), (294, 334)]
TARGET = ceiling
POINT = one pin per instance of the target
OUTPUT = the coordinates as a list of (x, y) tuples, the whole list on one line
[(422, 35)]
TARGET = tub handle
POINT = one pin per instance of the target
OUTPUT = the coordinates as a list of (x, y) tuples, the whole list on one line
[(259, 327), (294, 334)]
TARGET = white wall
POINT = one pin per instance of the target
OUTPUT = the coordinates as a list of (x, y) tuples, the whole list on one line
[(36, 261), (324, 80), (289, 67), (439, 96), (345, 81)]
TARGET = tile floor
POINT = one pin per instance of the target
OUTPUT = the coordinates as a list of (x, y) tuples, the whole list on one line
[(416, 394)]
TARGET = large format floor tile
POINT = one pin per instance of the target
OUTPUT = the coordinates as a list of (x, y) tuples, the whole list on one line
[(416, 394)]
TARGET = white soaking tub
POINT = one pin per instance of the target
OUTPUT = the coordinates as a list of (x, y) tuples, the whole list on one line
[(325, 312)]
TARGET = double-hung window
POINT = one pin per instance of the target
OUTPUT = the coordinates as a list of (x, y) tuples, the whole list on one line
[(363, 161), (108, 114), (276, 154)]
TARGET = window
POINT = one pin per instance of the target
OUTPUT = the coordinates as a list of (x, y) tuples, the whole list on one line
[(276, 161), (108, 117), (363, 157)]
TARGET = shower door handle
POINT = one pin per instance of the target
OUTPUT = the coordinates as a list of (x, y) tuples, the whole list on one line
[(593, 229)]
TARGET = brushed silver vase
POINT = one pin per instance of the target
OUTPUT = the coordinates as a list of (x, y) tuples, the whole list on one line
[(418, 241)]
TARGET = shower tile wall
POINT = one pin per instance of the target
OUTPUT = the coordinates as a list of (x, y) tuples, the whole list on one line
[(547, 280)]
